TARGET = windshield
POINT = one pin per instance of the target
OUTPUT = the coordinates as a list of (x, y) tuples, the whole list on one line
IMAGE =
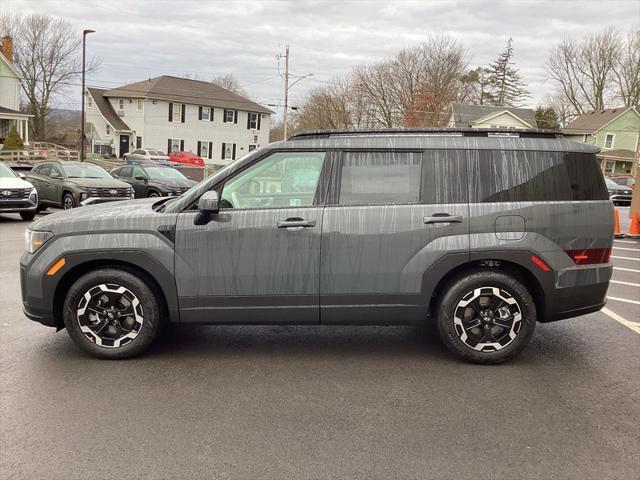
[(610, 183), (6, 172), (164, 173), (85, 171), (156, 153)]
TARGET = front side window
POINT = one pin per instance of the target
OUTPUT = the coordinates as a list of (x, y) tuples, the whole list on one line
[(608, 140), (282, 180), (56, 172), (380, 178), (138, 173)]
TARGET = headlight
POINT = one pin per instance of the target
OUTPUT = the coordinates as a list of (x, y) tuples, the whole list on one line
[(33, 192), (34, 240), (132, 193)]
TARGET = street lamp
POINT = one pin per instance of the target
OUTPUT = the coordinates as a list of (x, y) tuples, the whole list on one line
[(84, 47)]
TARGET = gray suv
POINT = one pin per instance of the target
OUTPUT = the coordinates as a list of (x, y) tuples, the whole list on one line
[(483, 232)]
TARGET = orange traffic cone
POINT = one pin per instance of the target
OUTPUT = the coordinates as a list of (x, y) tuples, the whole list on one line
[(616, 230), (634, 229)]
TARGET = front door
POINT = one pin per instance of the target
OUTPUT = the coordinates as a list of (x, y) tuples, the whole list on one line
[(124, 145), (258, 259)]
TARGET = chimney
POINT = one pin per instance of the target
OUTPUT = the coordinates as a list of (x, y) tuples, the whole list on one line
[(7, 48)]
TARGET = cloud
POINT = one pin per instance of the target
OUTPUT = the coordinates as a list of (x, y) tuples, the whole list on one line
[(139, 39)]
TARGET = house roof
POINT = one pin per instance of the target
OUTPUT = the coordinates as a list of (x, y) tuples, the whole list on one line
[(467, 115), (184, 90), (106, 109), (13, 113), (592, 121), (619, 153)]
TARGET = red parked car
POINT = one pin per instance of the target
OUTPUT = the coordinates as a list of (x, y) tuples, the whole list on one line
[(188, 158)]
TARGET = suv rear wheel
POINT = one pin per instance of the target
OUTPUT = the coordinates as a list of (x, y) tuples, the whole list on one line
[(112, 313), (486, 316)]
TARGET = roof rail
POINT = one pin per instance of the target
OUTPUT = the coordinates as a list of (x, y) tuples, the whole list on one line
[(462, 132)]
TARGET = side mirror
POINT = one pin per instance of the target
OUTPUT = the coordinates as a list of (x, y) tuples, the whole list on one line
[(21, 175), (139, 177), (209, 203)]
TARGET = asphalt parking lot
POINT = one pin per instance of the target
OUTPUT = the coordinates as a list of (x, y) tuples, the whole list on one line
[(322, 402)]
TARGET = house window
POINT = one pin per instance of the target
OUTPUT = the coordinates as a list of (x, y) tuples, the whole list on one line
[(89, 102), (121, 104), (140, 102), (174, 145), (228, 151), (229, 116), (177, 112), (138, 142), (255, 139), (608, 140), (205, 113), (108, 130), (252, 121), (204, 149)]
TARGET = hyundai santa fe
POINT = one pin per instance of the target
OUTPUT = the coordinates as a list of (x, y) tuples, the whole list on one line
[(483, 232)]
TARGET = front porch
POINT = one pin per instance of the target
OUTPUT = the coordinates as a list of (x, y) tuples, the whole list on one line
[(13, 118)]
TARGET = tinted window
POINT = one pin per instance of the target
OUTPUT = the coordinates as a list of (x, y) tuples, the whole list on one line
[(138, 172), (125, 172), (519, 176), (444, 176), (587, 181), (56, 172), (374, 178), (44, 170)]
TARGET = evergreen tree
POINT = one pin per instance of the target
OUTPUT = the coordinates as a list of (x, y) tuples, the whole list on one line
[(546, 117), (13, 140), (507, 87)]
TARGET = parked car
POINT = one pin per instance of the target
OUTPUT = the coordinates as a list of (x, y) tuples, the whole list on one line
[(153, 180), (16, 194), (72, 184), (624, 180), (146, 154), (483, 232), (619, 194), (188, 158)]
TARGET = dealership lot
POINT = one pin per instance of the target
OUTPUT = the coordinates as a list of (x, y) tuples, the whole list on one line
[(318, 402)]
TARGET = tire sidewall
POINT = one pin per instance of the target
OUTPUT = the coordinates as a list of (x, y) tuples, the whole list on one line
[(150, 307), (73, 201), (466, 283)]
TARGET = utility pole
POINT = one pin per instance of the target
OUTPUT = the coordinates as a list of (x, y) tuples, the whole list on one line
[(84, 47), (286, 90)]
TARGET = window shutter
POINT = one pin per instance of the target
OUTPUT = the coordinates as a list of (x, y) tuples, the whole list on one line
[(233, 153), (224, 116), (248, 120), (182, 145), (199, 147), (259, 120), (211, 116), (200, 113), (235, 116), (222, 158), (210, 148), (184, 108), (168, 146), (170, 112)]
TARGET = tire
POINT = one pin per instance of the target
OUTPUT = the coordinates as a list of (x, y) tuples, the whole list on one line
[(153, 194), (68, 201), (41, 208), (28, 215), (486, 316), (135, 320)]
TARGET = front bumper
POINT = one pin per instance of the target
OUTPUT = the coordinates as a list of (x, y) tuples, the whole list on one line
[(18, 205), (97, 200), (620, 198)]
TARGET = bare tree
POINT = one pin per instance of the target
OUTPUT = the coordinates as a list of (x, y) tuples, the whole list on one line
[(47, 56), (231, 83), (584, 70), (626, 71)]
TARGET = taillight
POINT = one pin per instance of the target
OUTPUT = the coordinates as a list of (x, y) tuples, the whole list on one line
[(590, 256)]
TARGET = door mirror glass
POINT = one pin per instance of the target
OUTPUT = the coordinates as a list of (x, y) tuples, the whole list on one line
[(139, 177), (209, 203)]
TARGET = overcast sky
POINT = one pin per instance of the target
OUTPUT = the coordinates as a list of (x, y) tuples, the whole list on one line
[(140, 39)]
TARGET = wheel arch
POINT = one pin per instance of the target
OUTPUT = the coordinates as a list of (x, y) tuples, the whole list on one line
[(511, 263), (151, 274)]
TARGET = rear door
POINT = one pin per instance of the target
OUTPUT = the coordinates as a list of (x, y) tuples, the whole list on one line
[(391, 216)]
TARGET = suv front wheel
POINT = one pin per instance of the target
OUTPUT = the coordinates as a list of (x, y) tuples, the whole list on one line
[(486, 316), (112, 313)]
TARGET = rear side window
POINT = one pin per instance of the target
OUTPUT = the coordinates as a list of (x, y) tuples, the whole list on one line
[(375, 178), (533, 176), (444, 176), (125, 172), (44, 170)]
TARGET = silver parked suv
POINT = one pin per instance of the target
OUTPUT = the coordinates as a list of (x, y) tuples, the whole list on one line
[(483, 232)]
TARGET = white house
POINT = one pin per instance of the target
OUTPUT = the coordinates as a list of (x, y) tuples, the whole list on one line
[(10, 114), (486, 116), (170, 113)]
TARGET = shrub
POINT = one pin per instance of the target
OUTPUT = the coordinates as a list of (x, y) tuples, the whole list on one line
[(13, 140)]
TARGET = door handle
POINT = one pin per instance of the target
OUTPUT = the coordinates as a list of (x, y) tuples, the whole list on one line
[(296, 223), (442, 218)]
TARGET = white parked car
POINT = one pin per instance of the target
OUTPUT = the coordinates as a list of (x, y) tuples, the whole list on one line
[(16, 194), (146, 154)]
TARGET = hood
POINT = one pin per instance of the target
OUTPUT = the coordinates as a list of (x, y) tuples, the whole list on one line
[(14, 182), (174, 183), (98, 182), (129, 215)]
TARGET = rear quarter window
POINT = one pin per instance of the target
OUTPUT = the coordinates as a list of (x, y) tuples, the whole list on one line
[(534, 176)]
